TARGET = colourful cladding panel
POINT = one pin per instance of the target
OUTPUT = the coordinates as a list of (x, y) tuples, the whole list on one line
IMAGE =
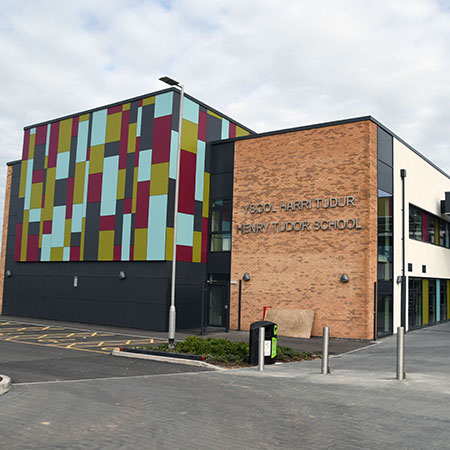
[(98, 186), (187, 182), (156, 237), (425, 301)]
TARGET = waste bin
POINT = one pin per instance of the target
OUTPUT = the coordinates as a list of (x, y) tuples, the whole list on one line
[(270, 342)]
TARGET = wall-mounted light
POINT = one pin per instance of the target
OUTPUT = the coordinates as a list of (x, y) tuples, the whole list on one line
[(122, 275), (8, 273), (344, 278), (246, 277), (399, 279)]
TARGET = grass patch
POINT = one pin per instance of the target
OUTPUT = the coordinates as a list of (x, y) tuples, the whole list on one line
[(224, 352)]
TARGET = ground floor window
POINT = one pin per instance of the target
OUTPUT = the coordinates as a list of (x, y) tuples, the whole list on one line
[(385, 314), (429, 301)]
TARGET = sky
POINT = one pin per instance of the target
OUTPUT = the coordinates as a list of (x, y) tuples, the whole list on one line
[(267, 64)]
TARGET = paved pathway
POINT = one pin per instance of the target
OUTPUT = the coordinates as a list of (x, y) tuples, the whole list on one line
[(359, 406)]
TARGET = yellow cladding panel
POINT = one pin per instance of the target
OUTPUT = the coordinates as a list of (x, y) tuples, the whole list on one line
[(206, 195), (148, 101), (31, 146), (197, 248), (121, 184), (23, 248), (78, 186), (169, 243), (23, 178), (140, 244), (113, 126), (83, 117), (96, 158), (67, 232), (45, 162), (47, 211), (132, 137), (65, 135), (83, 232), (133, 204), (106, 245), (160, 179), (56, 253), (211, 113), (425, 301), (189, 136), (36, 195), (241, 132), (126, 106)]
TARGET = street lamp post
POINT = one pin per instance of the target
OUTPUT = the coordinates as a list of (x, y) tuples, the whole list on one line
[(172, 311)]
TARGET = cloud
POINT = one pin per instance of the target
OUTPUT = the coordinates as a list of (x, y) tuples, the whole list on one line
[(267, 64)]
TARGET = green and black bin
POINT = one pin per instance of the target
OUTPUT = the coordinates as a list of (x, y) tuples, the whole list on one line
[(270, 342)]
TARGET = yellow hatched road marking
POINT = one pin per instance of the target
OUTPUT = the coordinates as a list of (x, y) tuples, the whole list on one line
[(59, 346), (128, 342), (93, 334)]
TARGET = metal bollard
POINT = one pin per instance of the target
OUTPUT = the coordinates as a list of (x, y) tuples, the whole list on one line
[(262, 334), (325, 339), (401, 353)]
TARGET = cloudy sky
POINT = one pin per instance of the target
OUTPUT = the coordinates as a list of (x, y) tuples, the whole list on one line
[(268, 64)]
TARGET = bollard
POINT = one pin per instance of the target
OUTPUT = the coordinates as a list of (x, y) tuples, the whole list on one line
[(326, 337), (262, 334), (401, 353)]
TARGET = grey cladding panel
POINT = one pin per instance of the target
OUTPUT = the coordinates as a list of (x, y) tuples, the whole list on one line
[(385, 147)]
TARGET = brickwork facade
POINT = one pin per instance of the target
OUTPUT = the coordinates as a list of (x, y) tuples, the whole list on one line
[(317, 189), (5, 233)]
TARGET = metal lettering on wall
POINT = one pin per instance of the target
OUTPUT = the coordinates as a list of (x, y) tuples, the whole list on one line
[(300, 225)]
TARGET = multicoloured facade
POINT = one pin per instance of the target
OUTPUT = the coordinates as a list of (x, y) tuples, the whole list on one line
[(99, 186)]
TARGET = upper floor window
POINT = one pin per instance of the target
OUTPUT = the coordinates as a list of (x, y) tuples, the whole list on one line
[(221, 226), (427, 227)]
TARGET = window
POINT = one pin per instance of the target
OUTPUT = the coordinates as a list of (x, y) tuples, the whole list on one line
[(431, 225), (415, 223), (221, 226)]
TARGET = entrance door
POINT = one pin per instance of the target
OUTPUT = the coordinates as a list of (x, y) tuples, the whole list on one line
[(218, 291)]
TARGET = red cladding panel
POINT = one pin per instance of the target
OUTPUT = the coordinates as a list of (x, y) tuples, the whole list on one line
[(47, 227), (75, 121), (53, 146), (136, 152), (124, 139), (140, 102), (94, 188), (26, 144), (184, 253), (202, 126), (18, 247), (69, 201), (38, 176), (131, 252), (142, 199), (161, 139), (41, 135), (115, 109), (74, 253), (117, 252), (232, 130), (187, 182), (204, 239), (33, 248), (127, 205), (107, 222)]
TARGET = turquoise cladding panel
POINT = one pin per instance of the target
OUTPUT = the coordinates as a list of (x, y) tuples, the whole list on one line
[(62, 165), (126, 237), (438, 300), (46, 247), (98, 136), (200, 170), (109, 186), (28, 183), (190, 110), (185, 229), (58, 225), (163, 104), (156, 238), (145, 165), (173, 155), (82, 141)]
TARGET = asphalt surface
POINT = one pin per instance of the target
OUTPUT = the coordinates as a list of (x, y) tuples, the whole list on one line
[(360, 405)]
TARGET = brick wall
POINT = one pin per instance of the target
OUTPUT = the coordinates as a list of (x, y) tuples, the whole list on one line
[(302, 269), (5, 233)]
